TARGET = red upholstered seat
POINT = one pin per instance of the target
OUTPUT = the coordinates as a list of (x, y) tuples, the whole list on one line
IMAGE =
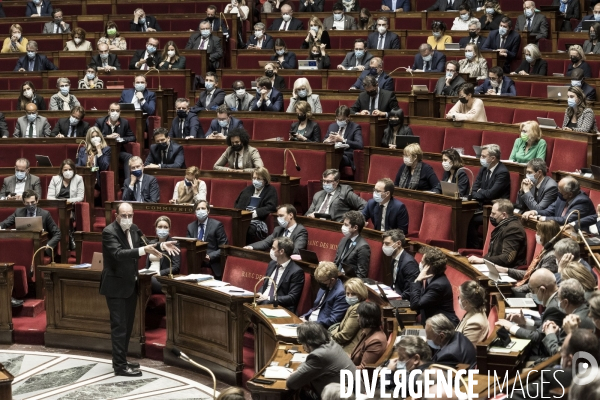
[(306, 300), (515, 185), (21, 252), (329, 106), (227, 225), (415, 213), (312, 164), (208, 156), (556, 66), (271, 128), (486, 245), (436, 226), (224, 192), (393, 62), (432, 137), (341, 82), (568, 155), (375, 265), (88, 249), (382, 167), (499, 114), (456, 279), (594, 196), (503, 139), (82, 216), (323, 242), (523, 89), (250, 61), (524, 114), (166, 184), (465, 138), (243, 272), (14, 82), (492, 319)]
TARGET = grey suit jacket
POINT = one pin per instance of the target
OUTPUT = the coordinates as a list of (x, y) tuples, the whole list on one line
[(350, 60), (538, 199), (49, 28), (349, 23), (42, 127), (231, 102), (76, 189), (344, 200), (299, 237), (357, 256), (32, 182), (539, 26), (553, 341), (250, 160), (452, 90)]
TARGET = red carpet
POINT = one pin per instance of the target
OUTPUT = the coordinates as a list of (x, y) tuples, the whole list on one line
[(30, 330), (155, 343)]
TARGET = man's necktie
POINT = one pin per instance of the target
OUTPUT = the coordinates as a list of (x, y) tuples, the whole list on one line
[(208, 99), (136, 190), (450, 3), (272, 290), (287, 233), (31, 65), (426, 67), (325, 204), (128, 234), (346, 250), (236, 164), (394, 273), (564, 212), (372, 105), (285, 24), (528, 24), (487, 178), (239, 104), (380, 43), (30, 133), (181, 126), (201, 232), (202, 44), (502, 40), (70, 131)]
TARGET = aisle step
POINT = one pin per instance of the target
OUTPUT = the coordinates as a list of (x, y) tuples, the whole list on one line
[(31, 308)]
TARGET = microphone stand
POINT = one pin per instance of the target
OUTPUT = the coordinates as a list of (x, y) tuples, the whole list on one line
[(472, 179), (52, 264), (81, 142), (285, 151), (180, 354), (275, 301), (158, 72), (409, 70)]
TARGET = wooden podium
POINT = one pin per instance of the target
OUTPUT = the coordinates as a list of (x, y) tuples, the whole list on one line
[(5, 384), (6, 287)]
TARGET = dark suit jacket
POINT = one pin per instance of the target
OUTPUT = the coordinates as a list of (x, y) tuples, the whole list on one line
[(218, 23), (313, 130), (173, 159), (452, 90), (46, 10), (508, 87), (218, 98), (350, 60), (353, 136), (267, 43), (215, 236), (149, 107), (164, 262), (573, 11), (396, 215), (63, 124), (150, 191), (539, 25), (317, 6), (290, 285), (334, 306), (403, 4), (294, 24), (48, 224), (466, 40), (266, 205), (289, 60), (299, 237), (587, 70), (32, 182), (497, 187), (384, 82), (213, 49), (538, 199), (191, 127), (386, 102), (540, 67), (580, 202), (357, 256), (139, 27), (233, 123), (589, 91), (123, 129), (427, 181), (344, 199), (511, 44), (276, 99), (392, 41), (41, 63), (102, 162), (459, 350), (459, 177), (442, 5), (579, 27), (490, 26), (508, 244), (436, 64), (152, 61), (278, 83), (408, 270), (112, 61), (436, 298), (3, 126)]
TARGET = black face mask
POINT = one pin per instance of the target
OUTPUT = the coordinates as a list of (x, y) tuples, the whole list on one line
[(269, 73), (364, 20), (592, 36), (372, 93), (472, 35), (494, 221), (464, 100), (302, 117), (237, 147), (394, 122), (211, 19), (181, 113), (163, 146), (575, 60), (324, 286)]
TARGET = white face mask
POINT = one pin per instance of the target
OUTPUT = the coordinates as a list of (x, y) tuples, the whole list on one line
[(447, 165), (258, 34), (345, 231), (171, 53), (408, 161), (114, 115), (68, 174), (538, 239), (126, 223), (77, 40), (388, 250), (282, 222), (28, 93), (96, 141), (381, 29), (273, 256)]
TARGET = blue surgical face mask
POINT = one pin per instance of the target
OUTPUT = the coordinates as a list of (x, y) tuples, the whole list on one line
[(437, 34), (257, 183), (209, 86), (338, 17), (433, 345), (64, 91), (137, 173), (302, 93), (20, 175), (140, 87), (31, 117), (528, 12), (142, 20), (572, 103), (597, 17), (465, 17), (223, 124), (31, 54), (90, 76), (469, 55), (575, 83), (400, 365), (201, 214), (282, 222), (328, 187), (427, 58), (341, 124), (502, 31), (359, 53), (529, 59), (484, 162), (162, 233), (205, 33), (73, 121), (280, 52), (351, 300), (536, 299), (377, 197), (531, 177), (150, 49)]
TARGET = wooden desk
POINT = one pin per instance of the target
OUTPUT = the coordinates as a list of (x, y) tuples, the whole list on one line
[(77, 315), (207, 325), (6, 287), (5, 384), (39, 239)]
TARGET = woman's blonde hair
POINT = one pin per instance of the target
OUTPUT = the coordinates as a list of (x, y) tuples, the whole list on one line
[(317, 22), (88, 140), (17, 27), (263, 173), (356, 286), (533, 130), (580, 273), (302, 82), (163, 218), (533, 50), (326, 269), (414, 149), (578, 49), (195, 171), (304, 108)]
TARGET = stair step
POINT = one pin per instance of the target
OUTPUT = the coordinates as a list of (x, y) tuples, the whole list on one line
[(31, 308)]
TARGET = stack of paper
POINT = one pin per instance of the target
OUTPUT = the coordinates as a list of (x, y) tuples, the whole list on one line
[(299, 357), (194, 278), (81, 266), (233, 290), (286, 330), (277, 372), (389, 292), (213, 283), (275, 312), (526, 312)]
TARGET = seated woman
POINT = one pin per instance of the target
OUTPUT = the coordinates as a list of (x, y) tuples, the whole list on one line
[(490, 20), (91, 80), (95, 155), (436, 297), (346, 333), (191, 189), (29, 95), (170, 58), (576, 270), (414, 174), (578, 116), (529, 145), (303, 92), (395, 128), (532, 63), (63, 101), (240, 156), (372, 341), (15, 42), (271, 72), (316, 33), (261, 199), (474, 324), (317, 52), (162, 266), (461, 23), (305, 129), (112, 38), (468, 108), (577, 57), (286, 59), (591, 45), (473, 63), (365, 21), (453, 173), (238, 7), (78, 42), (438, 39)]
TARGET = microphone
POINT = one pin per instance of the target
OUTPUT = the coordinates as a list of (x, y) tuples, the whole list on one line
[(181, 355), (142, 236), (285, 151), (275, 301), (469, 197)]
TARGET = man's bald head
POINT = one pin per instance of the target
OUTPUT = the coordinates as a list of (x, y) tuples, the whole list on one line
[(543, 277), (31, 108), (597, 8), (286, 9)]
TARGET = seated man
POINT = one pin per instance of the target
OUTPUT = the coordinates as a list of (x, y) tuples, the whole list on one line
[(448, 85), (508, 243), (474, 37), (334, 199), (39, 8), (339, 21), (288, 227), (240, 99), (383, 39), (267, 98), (185, 124), (385, 211), (287, 22), (384, 81), (216, 24), (345, 132), (148, 58), (454, 347), (353, 251), (446, 5), (32, 125), (223, 123), (212, 232), (496, 84), (506, 41), (139, 187), (288, 277), (203, 40), (429, 60), (358, 59), (57, 25), (104, 60), (594, 16), (538, 190), (330, 304), (33, 61), (373, 100), (212, 97), (566, 250), (405, 268), (143, 23), (578, 79), (115, 127), (164, 153), (73, 126), (533, 23), (13, 186), (142, 98)]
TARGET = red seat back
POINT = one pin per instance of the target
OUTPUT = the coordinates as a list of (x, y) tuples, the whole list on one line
[(88, 249), (456, 279), (323, 242), (306, 301), (568, 155), (243, 272), (492, 319), (415, 213), (465, 138), (436, 224), (224, 192), (432, 137), (208, 156), (382, 167)]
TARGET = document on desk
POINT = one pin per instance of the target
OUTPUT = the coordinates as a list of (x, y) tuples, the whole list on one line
[(233, 291), (481, 267), (389, 292), (299, 357), (275, 312), (213, 283), (194, 278), (519, 345), (286, 330), (526, 311), (277, 372), (81, 266)]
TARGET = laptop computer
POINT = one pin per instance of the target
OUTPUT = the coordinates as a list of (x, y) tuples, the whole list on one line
[(43, 161), (420, 89), (494, 275), (547, 123), (452, 46), (449, 189), (307, 64), (309, 256), (477, 150), (557, 92), (402, 141), (585, 25), (393, 303), (28, 224), (97, 262), (522, 302), (127, 106)]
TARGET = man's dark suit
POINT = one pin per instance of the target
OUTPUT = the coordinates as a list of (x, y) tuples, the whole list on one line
[(354, 253), (444, 5), (47, 223), (173, 159), (151, 61), (213, 49), (353, 135), (436, 298), (3, 126), (538, 199), (511, 45), (540, 67), (294, 24), (289, 61), (46, 10), (149, 23), (150, 192), (539, 25), (122, 129), (459, 350), (350, 60), (305, 6), (436, 64), (63, 124), (299, 236), (217, 24), (407, 271), (508, 244), (215, 127), (289, 288), (588, 91), (214, 236), (334, 305), (386, 102), (391, 41), (467, 40), (396, 215), (403, 4), (191, 127), (344, 200), (579, 27), (149, 107), (573, 12), (267, 42), (452, 90), (508, 87), (276, 99), (383, 82), (41, 63), (556, 211), (218, 98), (112, 61)]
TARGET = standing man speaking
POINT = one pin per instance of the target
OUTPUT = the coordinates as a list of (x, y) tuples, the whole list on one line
[(122, 246)]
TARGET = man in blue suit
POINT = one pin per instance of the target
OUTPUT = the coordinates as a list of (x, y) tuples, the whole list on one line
[(39, 8), (260, 39), (185, 125), (384, 211), (497, 84), (405, 268), (505, 40), (164, 153), (33, 61), (212, 97), (220, 126), (330, 305), (142, 98), (384, 81), (383, 39), (429, 60), (139, 187), (267, 98), (395, 5), (594, 16), (346, 132), (570, 198)]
